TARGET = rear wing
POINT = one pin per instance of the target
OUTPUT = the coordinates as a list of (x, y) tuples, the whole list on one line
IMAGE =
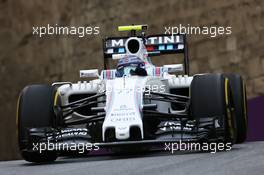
[(155, 45)]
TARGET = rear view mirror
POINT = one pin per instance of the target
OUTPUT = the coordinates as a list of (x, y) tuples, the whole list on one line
[(172, 68), (89, 73)]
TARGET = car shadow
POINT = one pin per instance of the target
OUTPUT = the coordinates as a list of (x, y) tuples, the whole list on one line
[(108, 156)]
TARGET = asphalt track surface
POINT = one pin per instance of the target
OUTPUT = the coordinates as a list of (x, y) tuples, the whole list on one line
[(243, 159)]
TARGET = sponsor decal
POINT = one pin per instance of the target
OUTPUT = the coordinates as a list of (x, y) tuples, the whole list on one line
[(122, 119), (149, 41), (172, 126), (69, 132)]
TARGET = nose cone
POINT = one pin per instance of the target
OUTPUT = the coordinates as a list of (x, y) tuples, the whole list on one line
[(123, 108)]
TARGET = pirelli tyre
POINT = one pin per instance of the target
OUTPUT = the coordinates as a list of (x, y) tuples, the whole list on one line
[(210, 96), (240, 105), (34, 109)]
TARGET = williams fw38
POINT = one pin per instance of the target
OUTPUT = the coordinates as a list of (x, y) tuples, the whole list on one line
[(132, 104)]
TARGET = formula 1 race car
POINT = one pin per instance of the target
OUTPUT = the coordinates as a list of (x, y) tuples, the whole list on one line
[(134, 106)]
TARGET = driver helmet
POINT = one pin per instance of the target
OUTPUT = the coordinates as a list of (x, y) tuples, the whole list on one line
[(128, 63)]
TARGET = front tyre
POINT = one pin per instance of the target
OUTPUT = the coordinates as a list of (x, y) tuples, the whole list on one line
[(210, 97), (240, 105), (34, 109)]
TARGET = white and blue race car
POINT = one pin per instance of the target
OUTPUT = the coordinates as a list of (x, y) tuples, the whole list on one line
[(134, 106)]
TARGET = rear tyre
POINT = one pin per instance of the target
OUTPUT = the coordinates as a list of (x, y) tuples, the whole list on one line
[(240, 105), (34, 109), (210, 97)]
